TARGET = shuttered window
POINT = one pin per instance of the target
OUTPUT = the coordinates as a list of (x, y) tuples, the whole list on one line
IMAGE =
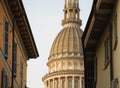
[(15, 60), (107, 51), (6, 39), (4, 81)]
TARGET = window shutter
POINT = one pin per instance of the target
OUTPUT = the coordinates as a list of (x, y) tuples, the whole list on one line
[(15, 60), (6, 40), (4, 80)]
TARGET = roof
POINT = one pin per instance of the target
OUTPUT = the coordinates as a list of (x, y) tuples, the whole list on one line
[(19, 14), (68, 42), (98, 20)]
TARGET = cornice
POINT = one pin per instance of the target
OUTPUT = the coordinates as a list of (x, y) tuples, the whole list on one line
[(63, 72)]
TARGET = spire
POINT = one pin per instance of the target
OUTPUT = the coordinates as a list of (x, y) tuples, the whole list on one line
[(71, 12)]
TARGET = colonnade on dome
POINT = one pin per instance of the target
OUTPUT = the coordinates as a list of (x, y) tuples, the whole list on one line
[(65, 81)]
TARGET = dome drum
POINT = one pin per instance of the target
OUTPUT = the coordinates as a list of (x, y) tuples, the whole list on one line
[(70, 63), (60, 55)]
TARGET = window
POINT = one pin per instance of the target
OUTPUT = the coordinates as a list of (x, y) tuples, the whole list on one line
[(6, 40), (76, 84), (15, 59), (115, 32), (83, 83), (69, 83), (76, 3), (63, 83), (107, 52), (4, 80)]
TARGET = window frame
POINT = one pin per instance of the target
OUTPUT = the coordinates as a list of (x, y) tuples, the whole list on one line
[(6, 38), (75, 85), (107, 52), (4, 81), (69, 83), (115, 30)]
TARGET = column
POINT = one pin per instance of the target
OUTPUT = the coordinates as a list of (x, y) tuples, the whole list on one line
[(53, 82), (59, 82), (66, 82), (80, 82), (73, 82), (49, 83), (45, 85)]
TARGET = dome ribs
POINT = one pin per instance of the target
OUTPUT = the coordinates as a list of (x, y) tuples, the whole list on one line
[(57, 42), (65, 42), (80, 41), (75, 40), (52, 52), (70, 44), (60, 42)]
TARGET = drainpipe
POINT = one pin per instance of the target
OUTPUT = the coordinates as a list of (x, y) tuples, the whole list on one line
[(12, 82), (111, 53)]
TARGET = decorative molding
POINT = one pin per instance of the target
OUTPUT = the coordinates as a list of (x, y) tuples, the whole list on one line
[(63, 72)]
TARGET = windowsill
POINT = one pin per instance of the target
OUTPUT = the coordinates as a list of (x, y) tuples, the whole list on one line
[(106, 64), (115, 44)]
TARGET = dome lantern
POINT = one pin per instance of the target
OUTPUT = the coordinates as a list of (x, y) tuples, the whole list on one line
[(66, 61), (71, 12)]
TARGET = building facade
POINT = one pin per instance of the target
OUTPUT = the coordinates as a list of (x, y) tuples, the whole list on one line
[(101, 41), (16, 44), (65, 62)]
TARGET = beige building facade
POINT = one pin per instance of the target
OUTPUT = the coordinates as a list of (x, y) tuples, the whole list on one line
[(16, 44), (66, 61), (101, 41)]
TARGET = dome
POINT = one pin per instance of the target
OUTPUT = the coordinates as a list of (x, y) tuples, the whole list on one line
[(67, 43)]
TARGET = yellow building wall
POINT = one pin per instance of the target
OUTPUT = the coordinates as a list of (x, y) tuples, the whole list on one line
[(21, 56), (116, 52), (103, 75)]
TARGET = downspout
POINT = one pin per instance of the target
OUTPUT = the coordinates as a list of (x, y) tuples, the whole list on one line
[(12, 82), (111, 53)]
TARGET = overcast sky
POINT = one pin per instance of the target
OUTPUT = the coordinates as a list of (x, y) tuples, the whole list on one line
[(45, 20)]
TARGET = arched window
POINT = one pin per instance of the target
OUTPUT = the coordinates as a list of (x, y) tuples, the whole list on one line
[(83, 83), (69, 83), (76, 84), (63, 83)]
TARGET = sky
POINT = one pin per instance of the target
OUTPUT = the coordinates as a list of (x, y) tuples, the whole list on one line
[(45, 18)]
